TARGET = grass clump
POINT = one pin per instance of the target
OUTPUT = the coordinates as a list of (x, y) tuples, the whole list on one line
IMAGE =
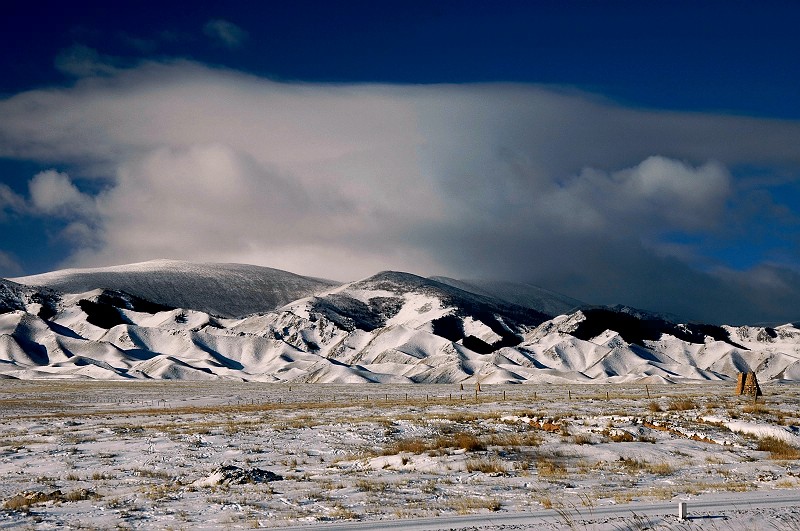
[(778, 448), (487, 466), (470, 504), (22, 501), (464, 440), (414, 446), (366, 485), (458, 440), (547, 468), (681, 404), (638, 465)]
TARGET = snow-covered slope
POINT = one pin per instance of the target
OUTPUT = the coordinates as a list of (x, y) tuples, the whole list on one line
[(228, 290), (391, 327), (519, 293)]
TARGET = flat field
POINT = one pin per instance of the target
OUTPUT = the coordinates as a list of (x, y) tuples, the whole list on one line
[(190, 455)]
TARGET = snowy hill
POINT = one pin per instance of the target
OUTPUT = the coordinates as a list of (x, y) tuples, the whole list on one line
[(391, 327), (228, 290), (519, 293)]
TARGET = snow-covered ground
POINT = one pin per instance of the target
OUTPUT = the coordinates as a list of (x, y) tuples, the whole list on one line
[(224, 454)]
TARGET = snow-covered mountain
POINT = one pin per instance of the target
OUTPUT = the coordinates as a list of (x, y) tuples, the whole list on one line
[(520, 293), (228, 290), (391, 327)]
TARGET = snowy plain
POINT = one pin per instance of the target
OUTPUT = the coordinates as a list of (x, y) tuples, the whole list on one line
[(223, 454)]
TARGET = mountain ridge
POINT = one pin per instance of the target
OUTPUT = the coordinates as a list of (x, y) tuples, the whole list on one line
[(246, 288), (391, 327)]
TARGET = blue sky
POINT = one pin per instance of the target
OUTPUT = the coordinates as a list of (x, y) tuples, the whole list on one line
[(642, 153)]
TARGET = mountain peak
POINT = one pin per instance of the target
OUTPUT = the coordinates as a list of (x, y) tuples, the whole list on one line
[(227, 290)]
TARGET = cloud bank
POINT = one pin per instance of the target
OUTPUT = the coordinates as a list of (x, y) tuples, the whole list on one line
[(557, 188)]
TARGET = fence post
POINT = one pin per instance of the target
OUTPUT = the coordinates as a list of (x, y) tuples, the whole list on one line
[(682, 511)]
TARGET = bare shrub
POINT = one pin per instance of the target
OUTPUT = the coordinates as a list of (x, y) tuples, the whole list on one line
[(654, 407)]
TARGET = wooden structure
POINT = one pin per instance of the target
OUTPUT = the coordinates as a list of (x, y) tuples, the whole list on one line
[(747, 384)]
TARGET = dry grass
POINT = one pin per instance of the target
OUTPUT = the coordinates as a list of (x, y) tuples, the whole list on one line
[(757, 409), (467, 441), (582, 438), (471, 504), (458, 440), (23, 501), (366, 485), (547, 468), (487, 466), (661, 469), (529, 438), (340, 512), (638, 465), (147, 473), (778, 448), (414, 446), (618, 436), (654, 407), (681, 404)]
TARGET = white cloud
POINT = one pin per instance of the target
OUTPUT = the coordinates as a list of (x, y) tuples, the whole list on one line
[(340, 181), (225, 33), (53, 193), (657, 194), (10, 201)]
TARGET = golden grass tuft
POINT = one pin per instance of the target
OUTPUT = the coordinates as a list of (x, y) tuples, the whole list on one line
[(467, 441), (681, 404), (366, 485), (470, 504), (547, 468), (654, 407), (582, 438), (487, 466), (778, 448), (414, 446), (639, 465)]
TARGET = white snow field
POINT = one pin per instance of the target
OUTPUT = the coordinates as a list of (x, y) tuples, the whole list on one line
[(87, 454), (205, 396)]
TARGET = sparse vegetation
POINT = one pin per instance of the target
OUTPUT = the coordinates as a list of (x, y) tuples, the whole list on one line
[(778, 448), (373, 459), (469, 504), (548, 468), (487, 466), (681, 404)]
